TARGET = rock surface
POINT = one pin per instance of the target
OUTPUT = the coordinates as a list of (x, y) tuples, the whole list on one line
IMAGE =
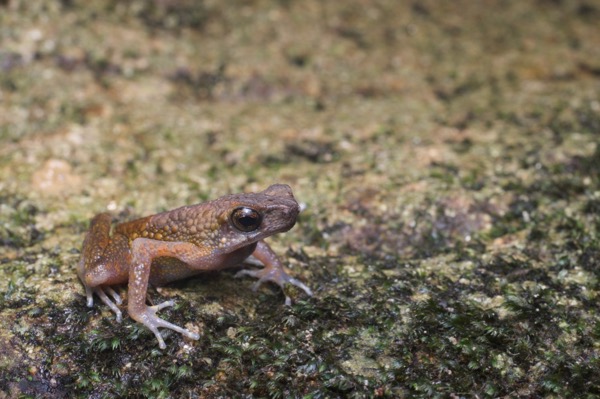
[(446, 155)]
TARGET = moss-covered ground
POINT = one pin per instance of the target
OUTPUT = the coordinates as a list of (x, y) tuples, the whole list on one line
[(446, 155)]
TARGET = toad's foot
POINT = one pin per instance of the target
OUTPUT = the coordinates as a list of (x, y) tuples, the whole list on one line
[(100, 291), (276, 275), (148, 317)]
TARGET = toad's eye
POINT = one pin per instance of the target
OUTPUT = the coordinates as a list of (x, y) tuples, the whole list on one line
[(246, 219)]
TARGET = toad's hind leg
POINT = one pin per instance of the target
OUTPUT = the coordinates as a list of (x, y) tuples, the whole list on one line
[(104, 261)]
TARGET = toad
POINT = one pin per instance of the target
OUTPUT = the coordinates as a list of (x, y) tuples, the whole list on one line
[(181, 243)]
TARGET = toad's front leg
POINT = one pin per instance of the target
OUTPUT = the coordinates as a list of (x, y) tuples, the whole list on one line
[(144, 250), (273, 271)]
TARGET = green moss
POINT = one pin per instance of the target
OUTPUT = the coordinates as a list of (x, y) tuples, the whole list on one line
[(17, 222)]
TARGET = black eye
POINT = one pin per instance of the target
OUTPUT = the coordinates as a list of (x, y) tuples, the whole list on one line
[(246, 219)]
